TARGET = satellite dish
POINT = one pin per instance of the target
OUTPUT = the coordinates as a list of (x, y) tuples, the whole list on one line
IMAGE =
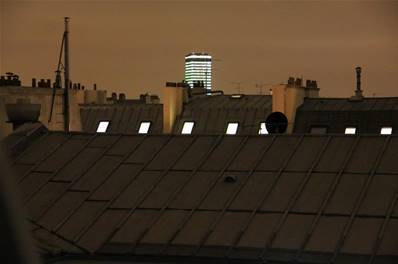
[(276, 123)]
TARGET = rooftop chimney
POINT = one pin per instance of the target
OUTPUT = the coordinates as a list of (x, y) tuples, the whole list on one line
[(22, 112)]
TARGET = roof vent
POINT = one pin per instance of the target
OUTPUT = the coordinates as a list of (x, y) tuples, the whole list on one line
[(230, 178)]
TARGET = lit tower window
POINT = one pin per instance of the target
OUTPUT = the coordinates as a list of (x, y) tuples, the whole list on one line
[(198, 69)]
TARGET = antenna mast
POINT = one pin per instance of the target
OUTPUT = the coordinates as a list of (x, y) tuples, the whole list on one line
[(66, 67)]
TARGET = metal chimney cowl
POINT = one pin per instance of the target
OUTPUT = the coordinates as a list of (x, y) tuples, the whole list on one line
[(22, 112)]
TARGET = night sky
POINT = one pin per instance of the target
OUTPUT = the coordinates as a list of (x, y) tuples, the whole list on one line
[(135, 47)]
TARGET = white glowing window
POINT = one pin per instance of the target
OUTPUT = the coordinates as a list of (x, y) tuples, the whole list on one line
[(144, 127), (232, 128), (187, 128), (386, 131), (350, 130), (263, 129), (102, 126)]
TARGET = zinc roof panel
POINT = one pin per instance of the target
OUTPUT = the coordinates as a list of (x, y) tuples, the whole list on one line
[(346, 193), (169, 154), (125, 126), (248, 155), (379, 195), (278, 153), (293, 232), (61, 156), (388, 163), (131, 196), (80, 219), (165, 189), (61, 208), (158, 234), (147, 149), (222, 154), (44, 198), (389, 245), (259, 231), (333, 157), (32, 183), (125, 145), (227, 229), (283, 191), (95, 176), (363, 233), (116, 182), (103, 227), (254, 190), (191, 194), (135, 225), (365, 155), (76, 167), (306, 154), (314, 192), (195, 153), (218, 196), (34, 154), (20, 170), (103, 141), (116, 117), (195, 229), (326, 234)]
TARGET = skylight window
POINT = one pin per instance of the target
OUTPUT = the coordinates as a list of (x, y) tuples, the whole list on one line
[(263, 129), (236, 96), (350, 130), (386, 131), (232, 128), (102, 126), (187, 128), (144, 127)]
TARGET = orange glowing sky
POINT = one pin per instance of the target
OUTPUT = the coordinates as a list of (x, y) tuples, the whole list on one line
[(136, 46)]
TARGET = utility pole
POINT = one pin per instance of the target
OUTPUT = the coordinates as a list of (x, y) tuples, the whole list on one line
[(66, 91)]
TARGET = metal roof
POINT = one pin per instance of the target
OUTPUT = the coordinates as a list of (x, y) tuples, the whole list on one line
[(368, 115), (124, 119), (310, 198), (211, 114)]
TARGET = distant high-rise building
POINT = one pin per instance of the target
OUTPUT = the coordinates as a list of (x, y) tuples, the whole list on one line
[(198, 69)]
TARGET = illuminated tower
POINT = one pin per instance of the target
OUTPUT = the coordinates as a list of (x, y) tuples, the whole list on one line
[(198, 68)]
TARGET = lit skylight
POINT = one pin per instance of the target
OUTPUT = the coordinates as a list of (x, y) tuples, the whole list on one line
[(102, 126), (144, 127), (263, 129), (350, 130), (232, 128), (386, 131), (187, 128), (236, 96)]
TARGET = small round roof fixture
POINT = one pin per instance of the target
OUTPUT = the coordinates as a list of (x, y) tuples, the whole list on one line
[(276, 123), (230, 178)]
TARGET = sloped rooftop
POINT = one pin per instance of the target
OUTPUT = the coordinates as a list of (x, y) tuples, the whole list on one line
[(123, 118), (309, 198), (367, 115), (212, 113)]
